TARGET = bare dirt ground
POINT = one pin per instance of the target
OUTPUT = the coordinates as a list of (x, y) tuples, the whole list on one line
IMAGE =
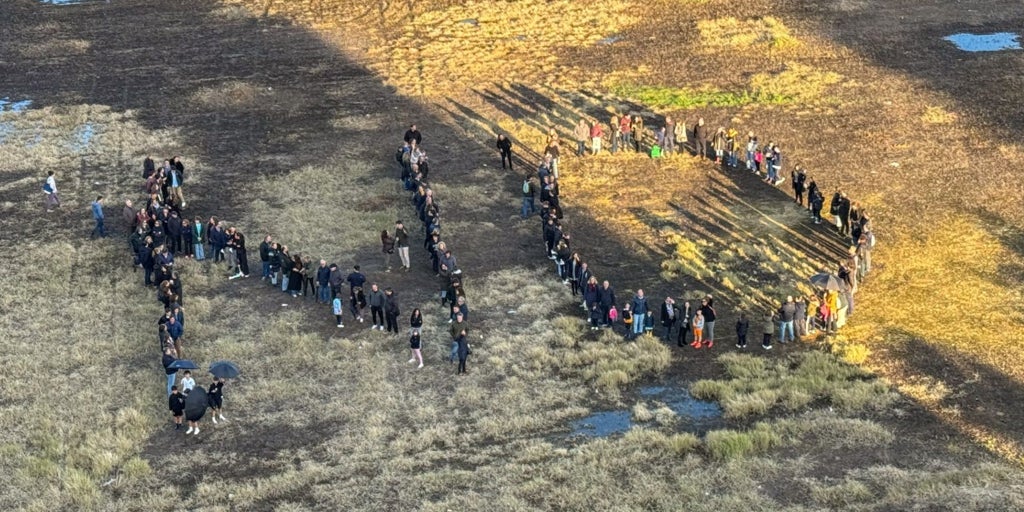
[(289, 129)]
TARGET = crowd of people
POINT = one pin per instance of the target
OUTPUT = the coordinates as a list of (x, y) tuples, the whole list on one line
[(694, 324), (162, 233)]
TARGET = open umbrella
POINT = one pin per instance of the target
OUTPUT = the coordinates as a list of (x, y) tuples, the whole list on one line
[(196, 403), (183, 364), (827, 281), (224, 369)]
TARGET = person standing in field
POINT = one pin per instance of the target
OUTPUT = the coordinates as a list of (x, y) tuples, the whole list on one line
[(199, 236), (718, 142), (51, 199), (505, 148), (742, 326), (416, 322), (391, 311), (732, 146), (627, 320), (582, 134), (685, 317), (680, 137), (413, 135), (457, 327), (596, 134), (626, 131), (752, 149), (387, 248), (265, 256), (529, 193), (297, 276), (640, 310), (97, 215), (375, 299), (414, 345), (338, 309), (615, 136), (172, 373), (606, 299), (800, 321), (707, 310), (669, 138), (669, 316), (215, 396), (698, 330), (187, 382), (700, 137), (402, 244), (463, 350), (638, 133), (767, 329), (787, 316), (176, 403)]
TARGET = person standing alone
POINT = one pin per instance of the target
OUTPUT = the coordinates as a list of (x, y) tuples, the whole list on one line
[(97, 215), (505, 148), (639, 312), (50, 190), (402, 244)]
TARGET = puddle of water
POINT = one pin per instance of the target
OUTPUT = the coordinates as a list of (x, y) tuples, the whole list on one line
[(62, 2), (694, 415), (985, 42), (612, 39), (603, 424), (82, 138), (6, 105), (689, 409)]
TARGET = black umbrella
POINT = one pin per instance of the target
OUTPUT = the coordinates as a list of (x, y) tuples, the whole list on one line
[(196, 404), (224, 370), (183, 364), (827, 281)]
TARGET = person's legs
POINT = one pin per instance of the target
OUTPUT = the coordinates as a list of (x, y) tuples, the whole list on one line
[(403, 254), (709, 331), (418, 355), (741, 340), (324, 294), (454, 352), (377, 313), (638, 323), (681, 337), (170, 382), (767, 341), (149, 276), (243, 262), (392, 323), (339, 320), (180, 353), (462, 365), (266, 269)]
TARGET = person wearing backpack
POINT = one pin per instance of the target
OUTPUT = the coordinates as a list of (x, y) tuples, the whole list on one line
[(529, 193)]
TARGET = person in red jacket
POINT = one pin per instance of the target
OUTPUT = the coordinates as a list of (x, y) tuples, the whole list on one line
[(596, 133)]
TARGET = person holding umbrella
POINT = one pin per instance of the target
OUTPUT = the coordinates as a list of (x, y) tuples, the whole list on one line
[(195, 408), (176, 403)]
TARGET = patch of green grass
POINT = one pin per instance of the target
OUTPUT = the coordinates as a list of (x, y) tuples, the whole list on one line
[(732, 444), (685, 98), (758, 385)]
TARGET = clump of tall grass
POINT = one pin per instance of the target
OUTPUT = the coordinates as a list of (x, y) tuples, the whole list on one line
[(758, 385)]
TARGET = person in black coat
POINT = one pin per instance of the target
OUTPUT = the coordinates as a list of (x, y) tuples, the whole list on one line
[(413, 134), (685, 314), (391, 310), (669, 316), (462, 350), (606, 299), (176, 403), (296, 276), (146, 260), (505, 148)]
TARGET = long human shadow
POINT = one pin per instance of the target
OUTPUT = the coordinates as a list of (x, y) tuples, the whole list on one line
[(981, 395)]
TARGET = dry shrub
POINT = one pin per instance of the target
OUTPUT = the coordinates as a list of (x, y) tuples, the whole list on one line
[(641, 413), (842, 495), (826, 430), (797, 83)]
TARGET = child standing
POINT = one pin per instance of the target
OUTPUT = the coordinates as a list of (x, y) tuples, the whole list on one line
[(176, 403), (416, 322), (337, 308), (216, 398), (742, 326), (698, 330), (187, 383), (414, 345), (595, 316)]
